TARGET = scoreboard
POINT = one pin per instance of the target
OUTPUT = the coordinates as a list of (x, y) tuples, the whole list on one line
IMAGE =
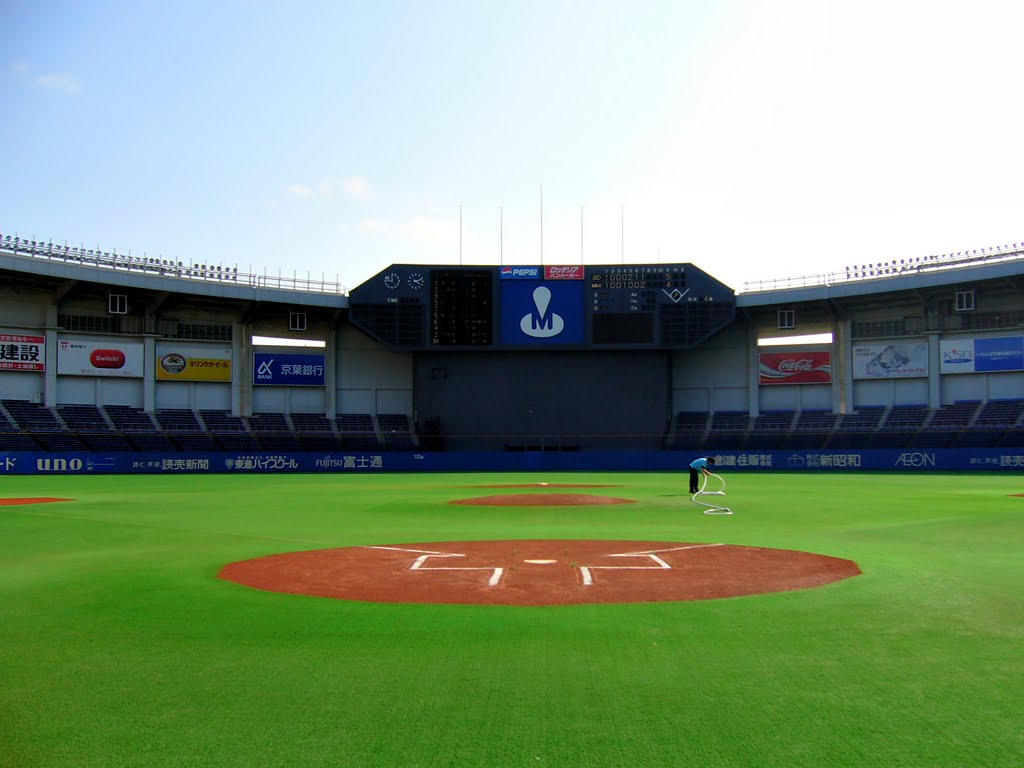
[(664, 306)]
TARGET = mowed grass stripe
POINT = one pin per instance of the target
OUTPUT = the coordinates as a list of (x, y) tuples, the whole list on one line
[(120, 647)]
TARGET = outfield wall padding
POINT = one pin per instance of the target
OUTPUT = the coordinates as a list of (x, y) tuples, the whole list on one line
[(33, 462)]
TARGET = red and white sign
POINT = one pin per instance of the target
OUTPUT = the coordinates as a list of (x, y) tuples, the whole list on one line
[(19, 352), (796, 368), (567, 272), (79, 356)]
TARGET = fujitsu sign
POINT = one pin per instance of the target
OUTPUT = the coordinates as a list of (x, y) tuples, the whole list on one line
[(795, 368), (566, 272)]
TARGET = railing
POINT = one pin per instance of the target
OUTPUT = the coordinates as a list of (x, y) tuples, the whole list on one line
[(207, 273), (893, 268)]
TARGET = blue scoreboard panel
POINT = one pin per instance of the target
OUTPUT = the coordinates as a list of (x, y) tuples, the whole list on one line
[(664, 306)]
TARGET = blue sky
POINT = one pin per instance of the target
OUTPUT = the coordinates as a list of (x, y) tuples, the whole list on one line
[(753, 139)]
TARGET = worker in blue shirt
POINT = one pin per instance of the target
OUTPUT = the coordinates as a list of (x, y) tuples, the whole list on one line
[(696, 468)]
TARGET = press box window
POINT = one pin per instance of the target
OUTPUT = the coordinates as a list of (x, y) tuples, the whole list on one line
[(117, 304), (964, 301), (296, 321), (787, 318)]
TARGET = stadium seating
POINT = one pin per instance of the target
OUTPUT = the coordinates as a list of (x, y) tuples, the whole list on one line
[(812, 430), (394, 428), (688, 430), (12, 438), (728, 430), (1001, 413), (151, 441), (185, 431), (17, 441), (274, 432), (231, 433), (900, 426), (61, 441), (993, 425), (857, 430), (770, 430), (947, 424), (127, 419), (358, 432), (92, 427), (32, 417), (81, 427), (315, 432)]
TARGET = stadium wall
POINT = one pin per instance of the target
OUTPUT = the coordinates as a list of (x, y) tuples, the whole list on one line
[(913, 460)]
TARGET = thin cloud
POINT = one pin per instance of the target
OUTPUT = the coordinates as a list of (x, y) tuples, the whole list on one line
[(357, 188), (352, 187), (430, 230), (371, 226), (57, 82)]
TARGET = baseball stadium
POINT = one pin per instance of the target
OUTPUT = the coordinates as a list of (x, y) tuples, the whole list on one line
[(441, 518)]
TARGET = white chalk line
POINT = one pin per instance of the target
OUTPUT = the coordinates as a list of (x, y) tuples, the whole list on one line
[(586, 571), (425, 554), (417, 551)]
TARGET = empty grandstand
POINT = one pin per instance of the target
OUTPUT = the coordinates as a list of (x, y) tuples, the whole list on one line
[(105, 355)]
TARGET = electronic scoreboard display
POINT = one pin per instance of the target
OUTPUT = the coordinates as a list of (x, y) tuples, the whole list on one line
[(665, 306)]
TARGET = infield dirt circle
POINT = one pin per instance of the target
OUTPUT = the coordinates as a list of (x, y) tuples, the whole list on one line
[(539, 572)]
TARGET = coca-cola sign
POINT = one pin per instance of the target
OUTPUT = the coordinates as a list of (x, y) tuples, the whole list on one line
[(795, 368)]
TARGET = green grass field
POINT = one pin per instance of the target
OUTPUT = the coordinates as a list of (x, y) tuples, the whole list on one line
[(119, 646)]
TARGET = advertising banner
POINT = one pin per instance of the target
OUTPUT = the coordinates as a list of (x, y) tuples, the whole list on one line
[(544, 313), (80, 356), (519, 273), (901, 360), (567, 272), (175, 463), (19, 352), (289, 370), (796, 368), (971, 355), (177, 362), (1001, 354), (957, 356)]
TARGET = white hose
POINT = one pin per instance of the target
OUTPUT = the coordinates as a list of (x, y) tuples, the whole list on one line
[(712, 509)]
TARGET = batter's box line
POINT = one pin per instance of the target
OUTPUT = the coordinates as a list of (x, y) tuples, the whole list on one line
[(586, 571), (426, 554)]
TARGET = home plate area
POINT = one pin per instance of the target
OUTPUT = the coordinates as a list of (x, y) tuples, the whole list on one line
[(539, 572)]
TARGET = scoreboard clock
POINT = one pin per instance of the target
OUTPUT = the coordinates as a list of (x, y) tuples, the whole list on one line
[(665, 306)]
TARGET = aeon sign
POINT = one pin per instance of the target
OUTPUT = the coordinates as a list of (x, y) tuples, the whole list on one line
[(915, 459)]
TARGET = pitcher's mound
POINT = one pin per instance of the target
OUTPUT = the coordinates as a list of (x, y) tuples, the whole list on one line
[(539, 572), (541, 500), (29, 500)]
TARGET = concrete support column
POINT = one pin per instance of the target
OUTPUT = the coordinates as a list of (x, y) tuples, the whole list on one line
[(934, 371), (149, 373), (842, 366), (331, 361), (753, 372), (50, 355), (241, 370)]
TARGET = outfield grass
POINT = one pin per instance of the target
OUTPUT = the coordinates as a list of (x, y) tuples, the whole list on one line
[(120, 647)]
